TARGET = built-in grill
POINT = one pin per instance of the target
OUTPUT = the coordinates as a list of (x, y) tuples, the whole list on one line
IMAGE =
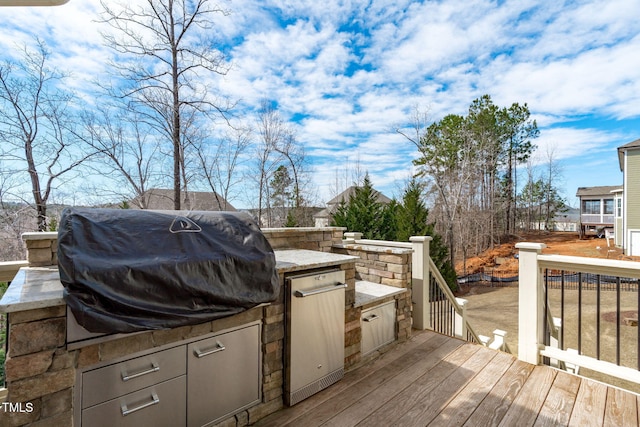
[(315, 333), (127, 271)]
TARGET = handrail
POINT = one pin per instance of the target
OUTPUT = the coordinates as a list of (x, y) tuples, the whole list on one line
[(601, 266), (442, 284)]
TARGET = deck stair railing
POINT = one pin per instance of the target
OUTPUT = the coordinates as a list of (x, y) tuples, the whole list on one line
[(585, 315), (435, 306)]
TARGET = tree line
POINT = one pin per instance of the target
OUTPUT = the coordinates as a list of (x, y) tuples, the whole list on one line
[(470, 166)]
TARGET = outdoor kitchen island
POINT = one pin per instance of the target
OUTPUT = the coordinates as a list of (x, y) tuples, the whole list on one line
[(63, 383)]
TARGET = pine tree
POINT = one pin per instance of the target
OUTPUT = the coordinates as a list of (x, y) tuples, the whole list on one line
[(412, 220), (362, 212)]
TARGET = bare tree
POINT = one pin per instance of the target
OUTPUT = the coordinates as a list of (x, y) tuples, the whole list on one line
[(15, 218), (127, 153), (165, 51), (218, 163), (35, 126), (553, 202), (272, 130)]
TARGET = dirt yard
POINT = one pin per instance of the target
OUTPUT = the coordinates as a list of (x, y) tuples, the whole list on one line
[(491, 308), (502, 259)]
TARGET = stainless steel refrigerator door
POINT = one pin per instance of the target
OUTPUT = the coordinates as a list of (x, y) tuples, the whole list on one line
[(316, 328)]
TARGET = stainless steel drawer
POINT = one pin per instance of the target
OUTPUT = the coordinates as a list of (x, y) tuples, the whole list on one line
[(224, 375), (378, 327), (160, 405), (102, 384)]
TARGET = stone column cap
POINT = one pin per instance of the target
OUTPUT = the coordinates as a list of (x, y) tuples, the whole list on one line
[(40, 235), (420, 238)]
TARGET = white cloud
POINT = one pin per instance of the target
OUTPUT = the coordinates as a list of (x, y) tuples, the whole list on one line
[(354, 69)]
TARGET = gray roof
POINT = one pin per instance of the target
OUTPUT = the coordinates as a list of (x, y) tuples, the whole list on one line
[(632, 144), (350, 192), (603, 190), (162, 199), (346, 195), (625, 147)]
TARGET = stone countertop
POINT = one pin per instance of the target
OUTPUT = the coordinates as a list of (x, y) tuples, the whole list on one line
[(369, 292), (32, 288), (289, 260), (40, 287)]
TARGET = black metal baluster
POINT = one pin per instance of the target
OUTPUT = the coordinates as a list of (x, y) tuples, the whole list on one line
[(449, 307), (547, 309), (561, 337), (598, 317), (618, 320), (579, 313)]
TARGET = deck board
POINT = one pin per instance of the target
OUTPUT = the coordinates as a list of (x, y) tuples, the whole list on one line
[(621, 409), (368, 404), (426, 410), (419, 390), (289, 414), (441, 381), (460, 408), (495, 405), (525, 407), (588, 410), (557, 407), (390, 379)]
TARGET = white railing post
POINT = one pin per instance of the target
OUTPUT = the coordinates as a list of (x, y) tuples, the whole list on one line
[(461, 319), (420, 282), (531, 315)]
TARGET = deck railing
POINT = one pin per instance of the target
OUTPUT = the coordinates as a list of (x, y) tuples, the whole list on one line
[(585, 312)]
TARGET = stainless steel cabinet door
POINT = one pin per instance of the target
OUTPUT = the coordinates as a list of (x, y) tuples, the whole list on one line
[(378, 327), (100, 385), (161, 405), (224, 375)]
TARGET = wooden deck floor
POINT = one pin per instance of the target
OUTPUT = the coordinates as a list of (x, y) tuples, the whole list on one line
[(440, 381)]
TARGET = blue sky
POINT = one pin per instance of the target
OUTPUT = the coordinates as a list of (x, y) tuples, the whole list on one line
[(347, 72)]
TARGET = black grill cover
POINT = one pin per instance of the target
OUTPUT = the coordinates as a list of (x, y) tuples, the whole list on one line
[(134, 270)]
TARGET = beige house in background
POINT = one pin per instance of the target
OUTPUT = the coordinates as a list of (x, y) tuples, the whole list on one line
[(597, 206), (629, 220)]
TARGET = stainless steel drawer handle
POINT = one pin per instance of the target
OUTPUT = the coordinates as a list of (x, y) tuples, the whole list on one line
[(219, 347), (154, 401), (371, 318), (154, 368), (302, 294)]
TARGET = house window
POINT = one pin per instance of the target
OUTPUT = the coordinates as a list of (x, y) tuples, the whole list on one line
[(608, 206), (591, 207), (619, 208)]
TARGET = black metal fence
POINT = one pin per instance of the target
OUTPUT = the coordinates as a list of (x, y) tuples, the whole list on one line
[(489, 277)]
